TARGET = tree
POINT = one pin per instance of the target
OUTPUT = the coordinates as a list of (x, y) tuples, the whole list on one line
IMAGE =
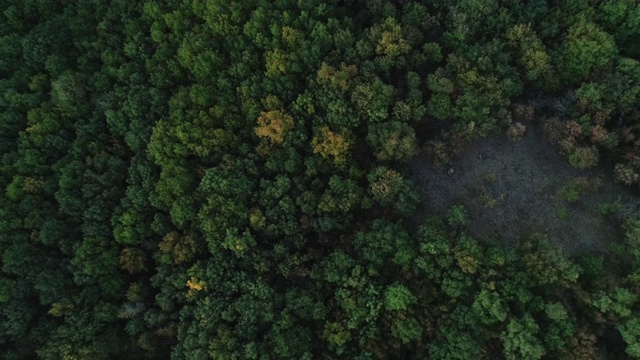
[(620, 18), (68, 93), (132, 260), (392, 141), (337, 79), (274, 125), (342, 195), (587, 48), (220, 179), (331, 144), (630, 331), (389, 188), (519, 339), (398, 297), (372, 100), (385, 242), (390, 42)]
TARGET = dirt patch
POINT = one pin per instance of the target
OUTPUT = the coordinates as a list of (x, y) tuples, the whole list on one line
[(512, 191)]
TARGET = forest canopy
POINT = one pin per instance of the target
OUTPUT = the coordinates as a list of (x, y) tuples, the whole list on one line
[(208, 179)]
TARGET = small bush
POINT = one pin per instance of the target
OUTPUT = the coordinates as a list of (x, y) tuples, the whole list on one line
[(599, 134), (570, 192), (626, 174), (584, 157), (440, 151), (562, 213), (458, 216), (574, 129), (609, 208), (516, 131)]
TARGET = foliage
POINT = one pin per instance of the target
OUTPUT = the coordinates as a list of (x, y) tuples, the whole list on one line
[(330, 144), (458, 216), (389, 188), (227, 179), (392, 141), (398, 297), (587, 48), (274, 125), (519, 340)]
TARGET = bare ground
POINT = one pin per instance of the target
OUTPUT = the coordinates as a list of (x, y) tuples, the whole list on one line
[(513, 191)]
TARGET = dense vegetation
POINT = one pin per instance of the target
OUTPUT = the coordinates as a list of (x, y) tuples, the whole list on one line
[(215, 179)]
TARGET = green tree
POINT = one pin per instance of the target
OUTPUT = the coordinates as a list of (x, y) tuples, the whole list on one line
[(520, 341), (392, 141), (587, 48), (390, 188)]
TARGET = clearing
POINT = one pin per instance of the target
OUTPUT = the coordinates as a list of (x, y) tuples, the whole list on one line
[(512, 191)]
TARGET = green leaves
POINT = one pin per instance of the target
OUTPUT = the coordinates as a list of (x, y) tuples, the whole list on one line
[(555, 311), (630, 331), (587, 48), (389, 188), (407, 330), (385, 241), (215, 179), (392, 141), (342, 195), (520, 341), (372, 100), (68, 93), (397, 297), (6, 289), (458, 216), (622, 19), (336, 334), (489, 308), (619, 302)]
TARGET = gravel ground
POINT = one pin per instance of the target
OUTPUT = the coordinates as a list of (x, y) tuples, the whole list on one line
[(512, 191)]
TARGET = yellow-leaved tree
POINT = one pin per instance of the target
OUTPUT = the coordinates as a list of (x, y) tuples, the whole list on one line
[(390, 40), (331, 144), (338, 79), (274, 125)]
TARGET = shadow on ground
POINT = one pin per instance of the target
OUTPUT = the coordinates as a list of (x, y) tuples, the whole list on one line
[(513, 191)]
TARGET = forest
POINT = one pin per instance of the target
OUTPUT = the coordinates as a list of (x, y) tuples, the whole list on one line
[(300, 179)]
